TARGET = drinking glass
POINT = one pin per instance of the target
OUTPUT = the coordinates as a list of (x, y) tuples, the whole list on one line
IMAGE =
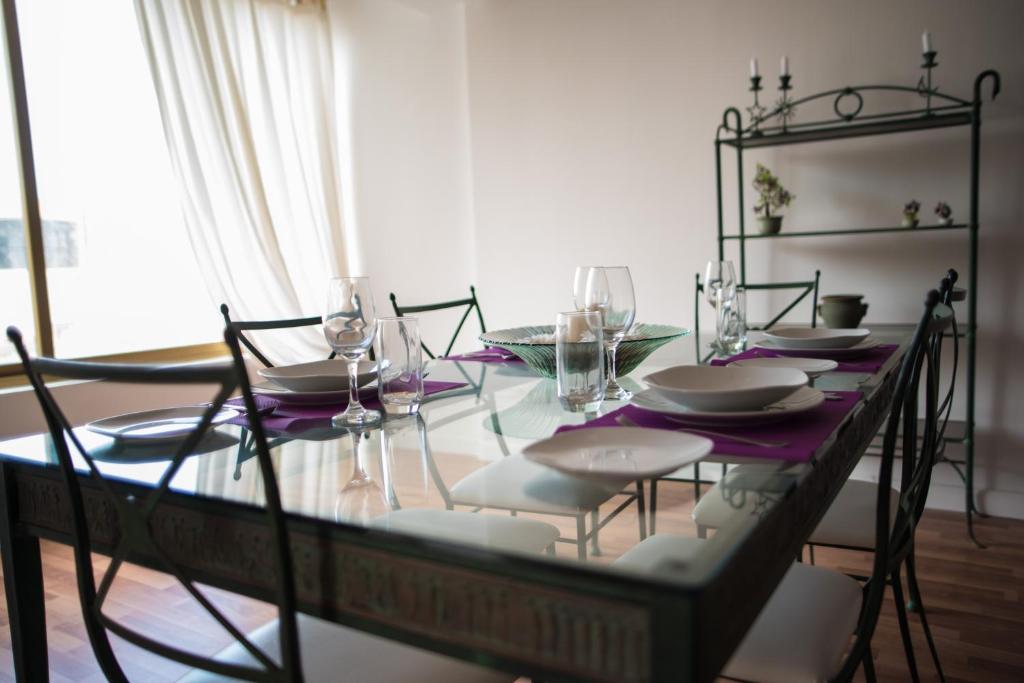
[(720, 290), (579, 286), (400, 365), (732, 323), (349, 326), (609, 291), (579, 360)]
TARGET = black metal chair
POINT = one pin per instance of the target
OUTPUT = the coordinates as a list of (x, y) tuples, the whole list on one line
[(292, 647), (469, 303), (818, 604), (239, 327)]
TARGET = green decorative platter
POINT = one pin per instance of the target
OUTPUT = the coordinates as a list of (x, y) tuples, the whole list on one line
[(539, 354)]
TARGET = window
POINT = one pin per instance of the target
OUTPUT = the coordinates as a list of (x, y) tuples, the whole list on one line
[(120, 270)]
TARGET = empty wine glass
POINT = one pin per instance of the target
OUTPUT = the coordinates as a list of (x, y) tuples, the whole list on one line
[(579, 286), (350, 323), (609, 290)]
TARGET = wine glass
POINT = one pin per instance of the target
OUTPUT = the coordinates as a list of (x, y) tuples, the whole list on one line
[(579, 286), (349, 326), (609, 290)]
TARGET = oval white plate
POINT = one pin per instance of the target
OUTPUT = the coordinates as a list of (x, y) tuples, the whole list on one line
[(812, 367), (851, 352), (711, 387), (816, 337), (163, 424), (801, 400), (309, 398), (622, 453), (319, 375)]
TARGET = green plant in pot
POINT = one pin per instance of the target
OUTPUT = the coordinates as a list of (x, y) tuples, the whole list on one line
[(772, 196)]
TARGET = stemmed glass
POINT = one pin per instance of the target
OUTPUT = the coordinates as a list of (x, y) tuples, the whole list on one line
[(362, 498), (609, 290), (350, 323), (579, 286)]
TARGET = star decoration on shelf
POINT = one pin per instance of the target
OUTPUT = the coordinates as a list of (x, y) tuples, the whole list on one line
[(785, 110), (756, 112)]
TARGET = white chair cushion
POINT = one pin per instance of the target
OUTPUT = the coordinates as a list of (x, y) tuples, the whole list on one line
[(802, 632), (490, 531), (849, 521), (515, 483), (331, 653)]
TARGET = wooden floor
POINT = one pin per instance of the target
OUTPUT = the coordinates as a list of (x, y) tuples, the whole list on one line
[(975, 600)]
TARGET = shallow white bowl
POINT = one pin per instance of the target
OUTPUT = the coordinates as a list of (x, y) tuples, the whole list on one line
[(714, 388), (814, 367), (816, 337), (320, 375)]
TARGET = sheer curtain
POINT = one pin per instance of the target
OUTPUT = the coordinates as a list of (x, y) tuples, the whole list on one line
[(246, 93)]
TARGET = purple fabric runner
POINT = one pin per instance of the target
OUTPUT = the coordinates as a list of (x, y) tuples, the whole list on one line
[(280, 416), (491, 354), (804, 433), (871, 361)]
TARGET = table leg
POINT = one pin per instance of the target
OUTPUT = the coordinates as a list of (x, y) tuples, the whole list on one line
[(23, 585)]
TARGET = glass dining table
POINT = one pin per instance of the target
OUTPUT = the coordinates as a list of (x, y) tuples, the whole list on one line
[(436, 531)]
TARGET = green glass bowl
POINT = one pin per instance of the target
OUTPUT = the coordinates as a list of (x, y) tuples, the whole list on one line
[(642, 341)]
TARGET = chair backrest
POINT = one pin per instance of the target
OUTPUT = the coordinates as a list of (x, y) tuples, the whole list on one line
[(237, 327), (920, 444), (470, 304), (135, 513), (804, 288)]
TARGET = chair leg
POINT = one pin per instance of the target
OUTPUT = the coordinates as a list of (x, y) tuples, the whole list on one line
[(913, 591), (654, 506), (581, 537), (916, 605), (869, 666), (696, 482), (595, 549), (641, 509), (901, 613), (810, 553)]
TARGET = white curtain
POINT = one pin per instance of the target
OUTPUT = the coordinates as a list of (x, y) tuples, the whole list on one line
[(246, 92)]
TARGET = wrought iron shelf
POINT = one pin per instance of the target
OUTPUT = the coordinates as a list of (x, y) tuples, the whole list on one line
[(773, 137), (846, 231)]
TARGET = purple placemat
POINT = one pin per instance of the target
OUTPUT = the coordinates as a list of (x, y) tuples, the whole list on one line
[(491, 354), (871, 361), (280, 416), (803, 433)]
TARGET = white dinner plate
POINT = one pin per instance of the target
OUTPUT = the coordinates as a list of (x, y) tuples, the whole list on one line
[(816, 337), (618, 453), (163, 424), (801, 400), (713, 387), (308, 398), (319, 375), (851, 352), (812, 367)]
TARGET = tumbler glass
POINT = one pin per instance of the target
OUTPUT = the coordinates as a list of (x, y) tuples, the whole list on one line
[(400, 365), (579, 358), (732, 323)]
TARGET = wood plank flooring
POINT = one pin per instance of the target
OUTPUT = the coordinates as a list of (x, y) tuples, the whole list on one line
[(975, 601)]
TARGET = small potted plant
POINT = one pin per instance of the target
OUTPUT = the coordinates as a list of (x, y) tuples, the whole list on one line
[(910, 210), (944, 213), (772, 198)]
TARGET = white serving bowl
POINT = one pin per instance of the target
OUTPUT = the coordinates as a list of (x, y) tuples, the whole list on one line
[(320, 375), (816, 337), (722, 389)]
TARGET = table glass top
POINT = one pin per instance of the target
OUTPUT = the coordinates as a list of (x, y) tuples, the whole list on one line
[(456, 473)]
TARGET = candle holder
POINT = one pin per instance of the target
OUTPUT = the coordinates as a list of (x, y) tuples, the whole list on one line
[(784, 107), (924, 84), (756, 111)]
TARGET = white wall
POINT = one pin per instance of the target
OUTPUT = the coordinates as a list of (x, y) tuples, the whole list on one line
[(592, 130)]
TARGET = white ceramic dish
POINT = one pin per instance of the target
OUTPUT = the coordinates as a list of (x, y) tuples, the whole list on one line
[(163, 424), (816, 337), (620, 453), (311, 398), (801, 400), (851, 352), (714, 388), (320, 375), (812, 367)]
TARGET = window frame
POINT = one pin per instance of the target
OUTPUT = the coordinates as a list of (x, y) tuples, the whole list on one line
[(12, 374)]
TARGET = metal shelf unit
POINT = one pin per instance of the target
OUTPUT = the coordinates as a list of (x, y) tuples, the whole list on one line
[(772, 128)]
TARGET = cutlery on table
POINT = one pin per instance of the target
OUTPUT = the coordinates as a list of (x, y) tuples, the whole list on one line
[(626, 422)]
